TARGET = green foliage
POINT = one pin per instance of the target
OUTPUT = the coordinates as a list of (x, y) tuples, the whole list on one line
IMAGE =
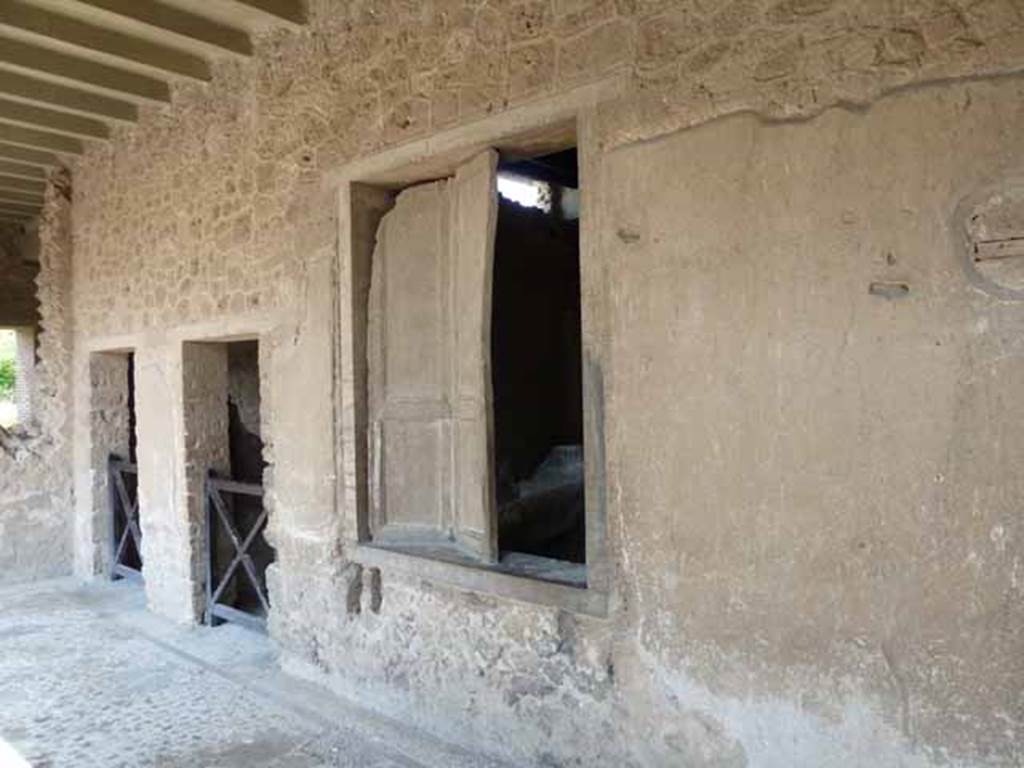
[(8, 375)]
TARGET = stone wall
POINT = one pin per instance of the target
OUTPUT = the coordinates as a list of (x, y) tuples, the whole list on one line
[(36, 458), (230, 176), (809, 487), (105, 424), (205, 376), (244, 383)]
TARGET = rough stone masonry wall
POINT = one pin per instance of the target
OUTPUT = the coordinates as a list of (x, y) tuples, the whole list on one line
[(205, 374), (212, 208), (244, 383), (35, 459), (105, 422), (211, 219)]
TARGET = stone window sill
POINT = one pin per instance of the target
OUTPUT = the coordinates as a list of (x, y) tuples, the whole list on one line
[(525, 578)]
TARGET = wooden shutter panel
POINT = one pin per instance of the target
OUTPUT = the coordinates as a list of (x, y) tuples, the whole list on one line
[(431, 479), (475, 220)]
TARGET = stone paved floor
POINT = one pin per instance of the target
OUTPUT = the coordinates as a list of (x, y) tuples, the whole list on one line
[(89, 678)]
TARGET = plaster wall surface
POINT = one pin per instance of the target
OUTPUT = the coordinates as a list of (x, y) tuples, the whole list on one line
[(810, 488), (826, 499)]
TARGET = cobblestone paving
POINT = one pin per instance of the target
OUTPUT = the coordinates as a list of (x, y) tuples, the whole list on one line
[(89, 678)]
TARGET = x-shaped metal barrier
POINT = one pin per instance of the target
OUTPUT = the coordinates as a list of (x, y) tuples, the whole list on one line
[(217, 509), (124, 509)]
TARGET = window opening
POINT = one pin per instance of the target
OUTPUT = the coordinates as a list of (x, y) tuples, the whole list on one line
[(473, 367), (536, 353)]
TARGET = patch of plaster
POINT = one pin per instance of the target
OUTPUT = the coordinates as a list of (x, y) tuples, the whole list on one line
[(774, 731)]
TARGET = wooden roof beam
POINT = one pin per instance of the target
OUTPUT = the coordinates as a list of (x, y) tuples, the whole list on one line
[(52, 120), (13, 183), (21, 198), (16, 184), (36, 58), (19, 17), (178, 22), (28, 156), (33, 139), (34, 90), (21, 169), (21, 205), (291, 11), (19, 210)]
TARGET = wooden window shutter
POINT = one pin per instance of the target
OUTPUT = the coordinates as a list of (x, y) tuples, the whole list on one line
[(431, 423)]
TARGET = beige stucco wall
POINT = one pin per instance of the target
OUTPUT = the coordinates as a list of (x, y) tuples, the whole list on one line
[(811, 491), (825, 499)]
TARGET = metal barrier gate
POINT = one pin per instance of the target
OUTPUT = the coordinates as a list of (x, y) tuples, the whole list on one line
[(222, 497), (123, 485)]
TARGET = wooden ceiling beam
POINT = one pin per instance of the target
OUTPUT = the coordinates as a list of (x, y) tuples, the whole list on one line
[(291, 11), (46, 61), (31, 89), (20, 210), (19, 17), (179, 22), (29, 156), (20, 169), (17, 184), (21, 198), (33, 139), (52, 120), (21, 205)]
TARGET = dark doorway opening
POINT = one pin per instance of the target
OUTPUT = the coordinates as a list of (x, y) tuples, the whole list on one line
[(245, 449), (536, 352), (124, 483), (133, 441)]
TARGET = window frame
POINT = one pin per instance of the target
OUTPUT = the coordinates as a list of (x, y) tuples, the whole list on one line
[(363, 188)]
